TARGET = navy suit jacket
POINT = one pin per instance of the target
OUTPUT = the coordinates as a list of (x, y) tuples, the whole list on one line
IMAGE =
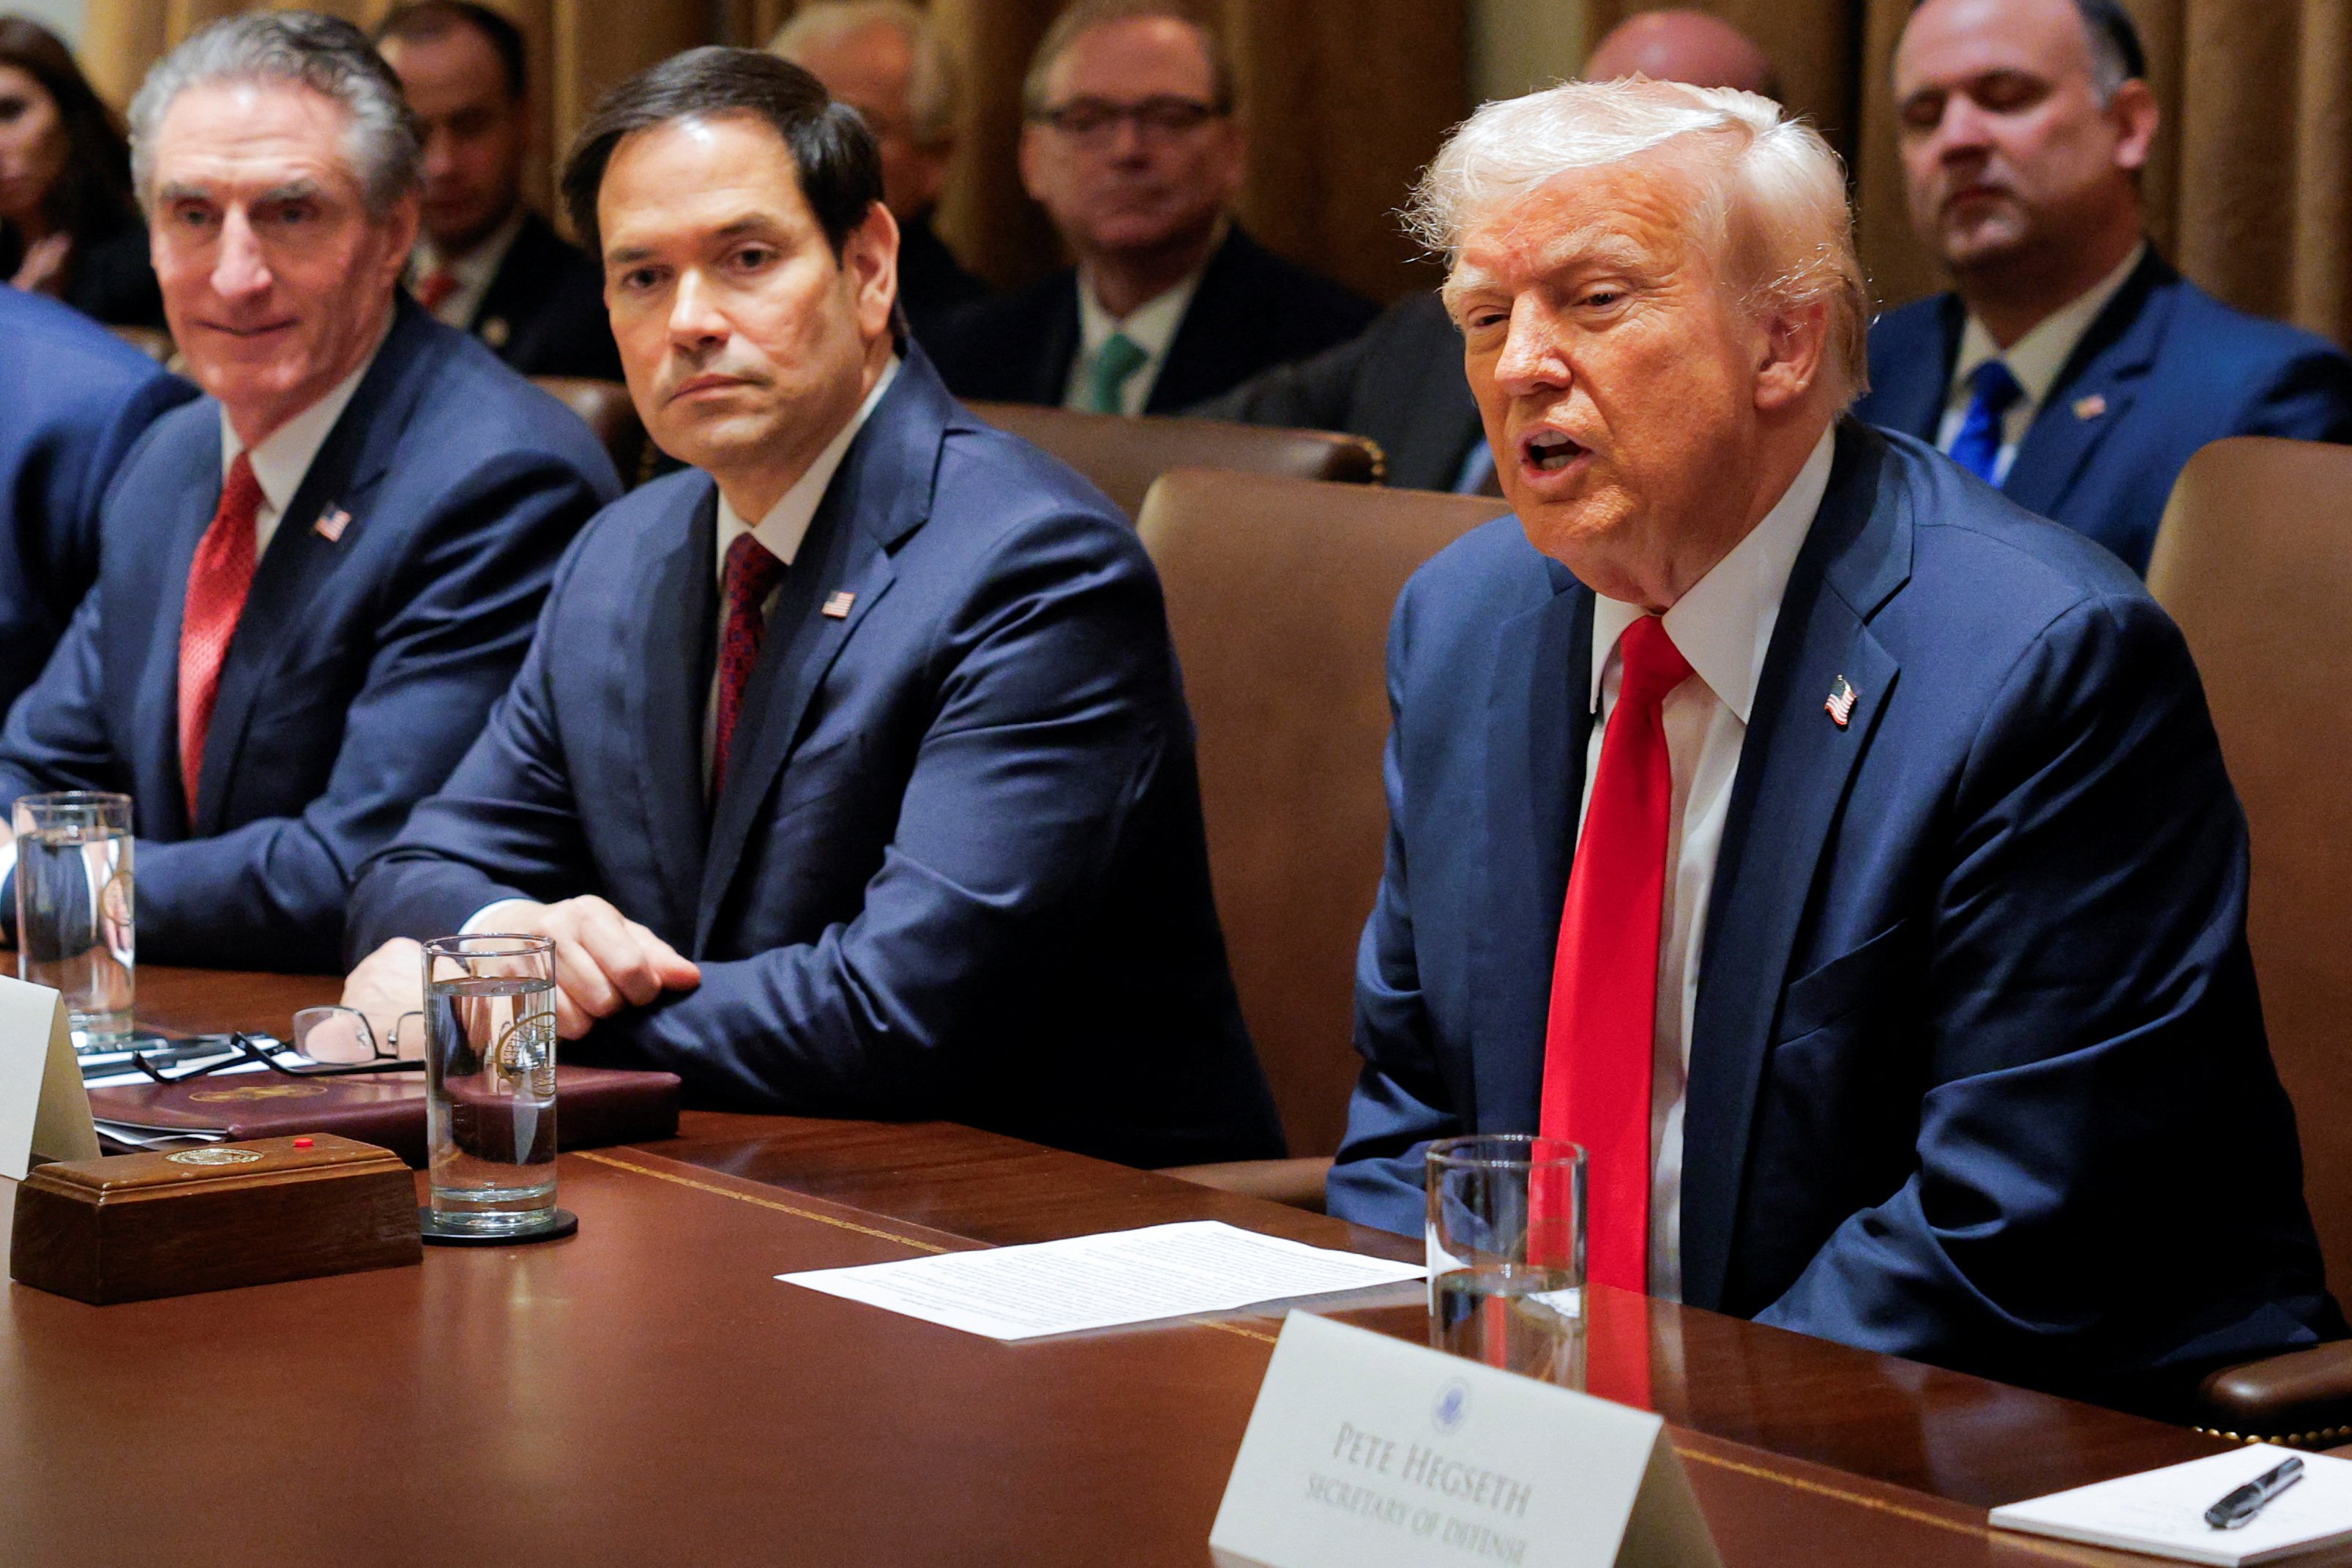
[(360, 668), (1251, 309), (1977, 1074), (543, 312), (958, 866), (2164, 370), (73, 397)]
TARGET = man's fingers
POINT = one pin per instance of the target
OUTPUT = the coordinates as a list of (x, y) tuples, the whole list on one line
[(578, 977), (619, 950), (571, 1023), (670, 968)]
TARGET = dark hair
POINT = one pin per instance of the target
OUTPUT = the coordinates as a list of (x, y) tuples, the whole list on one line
[(92, 191), (2117, 54), (834, 154), (422, 21)]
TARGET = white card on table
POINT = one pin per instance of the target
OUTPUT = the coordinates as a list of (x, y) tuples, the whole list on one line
[(44, 1109), (1366, 1451), (2162, 1513)]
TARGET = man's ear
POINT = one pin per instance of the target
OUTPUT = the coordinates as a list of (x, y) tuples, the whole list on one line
[(870, 256), (1795, 344), (2135, 115)]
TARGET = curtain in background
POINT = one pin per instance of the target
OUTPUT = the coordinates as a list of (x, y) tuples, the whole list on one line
[(1347, 99)]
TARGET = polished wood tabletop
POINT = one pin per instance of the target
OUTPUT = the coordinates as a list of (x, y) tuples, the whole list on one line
[(646, 1391)]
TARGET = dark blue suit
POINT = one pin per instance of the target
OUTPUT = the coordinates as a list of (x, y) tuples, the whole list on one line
[(2164, 370), (360, 668), (73, 397), (1978, 1073), (957, 869)]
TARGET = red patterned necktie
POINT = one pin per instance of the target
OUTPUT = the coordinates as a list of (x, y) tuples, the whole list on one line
[(219, 579), (1604, 982), (432, 289), (752, 574)]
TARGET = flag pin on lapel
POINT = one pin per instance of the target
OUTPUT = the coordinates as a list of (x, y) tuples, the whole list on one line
[(2090, 408), (838, 605), (332, 523), (1840, 707)]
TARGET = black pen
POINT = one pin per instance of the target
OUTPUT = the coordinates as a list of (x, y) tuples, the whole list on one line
[(2250, 1499)]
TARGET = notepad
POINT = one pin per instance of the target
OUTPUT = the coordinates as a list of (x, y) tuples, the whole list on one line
[(2162, 1513), (1104, 1281)]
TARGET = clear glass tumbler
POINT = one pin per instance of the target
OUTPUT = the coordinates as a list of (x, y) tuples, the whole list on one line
[(1507, 1253), (489, 1073), (74, 908)]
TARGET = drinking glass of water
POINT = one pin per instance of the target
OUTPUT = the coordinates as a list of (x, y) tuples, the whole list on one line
[(73, 907), (489, 1074), (1507, 1253)]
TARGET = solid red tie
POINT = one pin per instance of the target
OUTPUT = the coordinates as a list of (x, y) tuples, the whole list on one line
[(432, 289), (752, 574), (1604, 984), (219, 579)]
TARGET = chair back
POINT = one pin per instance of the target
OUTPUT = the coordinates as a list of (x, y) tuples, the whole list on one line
[(607, 408), (1279, 593), (2254, 562), (1123, 455)]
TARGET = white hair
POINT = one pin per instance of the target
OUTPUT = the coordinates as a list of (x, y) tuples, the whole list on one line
[(1775, 198), (932, 86)]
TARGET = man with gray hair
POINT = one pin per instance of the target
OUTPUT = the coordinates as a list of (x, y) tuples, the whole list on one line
[(315, 579), (1770, 814), (2069, 365), (887, 61)]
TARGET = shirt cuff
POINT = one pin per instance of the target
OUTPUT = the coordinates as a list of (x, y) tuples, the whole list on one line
[(488, 917)]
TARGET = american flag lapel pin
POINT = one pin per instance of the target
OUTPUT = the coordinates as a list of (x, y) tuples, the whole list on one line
[(332, 523), (1840, 707), (2090, 408), (837, 607)]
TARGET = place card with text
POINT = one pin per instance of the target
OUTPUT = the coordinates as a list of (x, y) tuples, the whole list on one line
[(44, 1109), (1366, 1451)]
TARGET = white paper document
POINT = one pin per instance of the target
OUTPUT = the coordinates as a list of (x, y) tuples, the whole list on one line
[(2162, 1513), (1104, 1281)]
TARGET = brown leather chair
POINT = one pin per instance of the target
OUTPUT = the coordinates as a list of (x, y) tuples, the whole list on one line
[(1278, 596), (1123, 455), (2254, 562), (607, 408), (152, 342)]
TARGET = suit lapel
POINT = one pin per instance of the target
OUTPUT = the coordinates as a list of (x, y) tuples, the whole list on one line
[(339, 485), (1794, 768), (665, 683), (881, 494), (2094, 391), (1537, 725)]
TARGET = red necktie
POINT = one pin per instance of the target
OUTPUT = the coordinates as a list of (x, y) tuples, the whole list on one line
[(219, 579), (432, 289), (1604, 982), (752, 574)]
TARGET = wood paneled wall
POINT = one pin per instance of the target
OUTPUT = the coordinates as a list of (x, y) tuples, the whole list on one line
[(1345, 102)]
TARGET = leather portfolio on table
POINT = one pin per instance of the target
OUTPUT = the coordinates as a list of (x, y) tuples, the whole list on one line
[(593, 1107)]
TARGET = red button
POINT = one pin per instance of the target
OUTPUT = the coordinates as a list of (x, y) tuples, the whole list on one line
[(301, 1142)]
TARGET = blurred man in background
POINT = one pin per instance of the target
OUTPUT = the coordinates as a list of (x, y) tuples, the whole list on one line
[(1401, 383), (2069, 366), (1134, 149), (884, 60), (486, 263)]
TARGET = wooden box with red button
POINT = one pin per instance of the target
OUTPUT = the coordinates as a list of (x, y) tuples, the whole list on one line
[(136, 1227)]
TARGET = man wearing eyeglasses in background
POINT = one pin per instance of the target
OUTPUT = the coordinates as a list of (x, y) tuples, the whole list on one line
[(1134, 149)]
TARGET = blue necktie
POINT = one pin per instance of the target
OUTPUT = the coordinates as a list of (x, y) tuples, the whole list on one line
[(1977, 447)]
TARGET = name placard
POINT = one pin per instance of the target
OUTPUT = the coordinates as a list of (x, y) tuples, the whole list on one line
[(44, 1109), (1365, 1451)]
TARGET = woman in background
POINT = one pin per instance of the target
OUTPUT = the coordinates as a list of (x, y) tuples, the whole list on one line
[(68, 224)]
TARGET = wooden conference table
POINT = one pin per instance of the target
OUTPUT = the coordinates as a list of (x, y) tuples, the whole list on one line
[(645, 1393)]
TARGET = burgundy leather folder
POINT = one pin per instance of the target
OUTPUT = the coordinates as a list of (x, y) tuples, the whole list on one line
[(593, 1107)]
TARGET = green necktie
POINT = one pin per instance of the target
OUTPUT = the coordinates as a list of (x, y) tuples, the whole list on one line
[(1119, 357)]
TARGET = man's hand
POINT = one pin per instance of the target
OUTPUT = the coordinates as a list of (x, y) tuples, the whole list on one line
[(603, 961), (388, 982)]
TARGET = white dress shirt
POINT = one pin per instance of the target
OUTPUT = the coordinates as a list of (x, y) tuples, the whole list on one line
[(2035, 360), (780, 532), (1151, 326), (1723, 626), (474, 271)]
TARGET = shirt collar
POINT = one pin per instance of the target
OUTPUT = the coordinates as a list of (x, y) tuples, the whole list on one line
[(1723, 624), (284, 456), (2037, 358), (475, 267), (1151, 326), (787, 522)]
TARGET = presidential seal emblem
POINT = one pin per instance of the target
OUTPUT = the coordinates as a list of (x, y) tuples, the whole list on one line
[(215, 1157)]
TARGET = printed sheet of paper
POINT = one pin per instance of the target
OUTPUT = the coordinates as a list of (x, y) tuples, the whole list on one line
[(1104, 1281), (2162, 1513)]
